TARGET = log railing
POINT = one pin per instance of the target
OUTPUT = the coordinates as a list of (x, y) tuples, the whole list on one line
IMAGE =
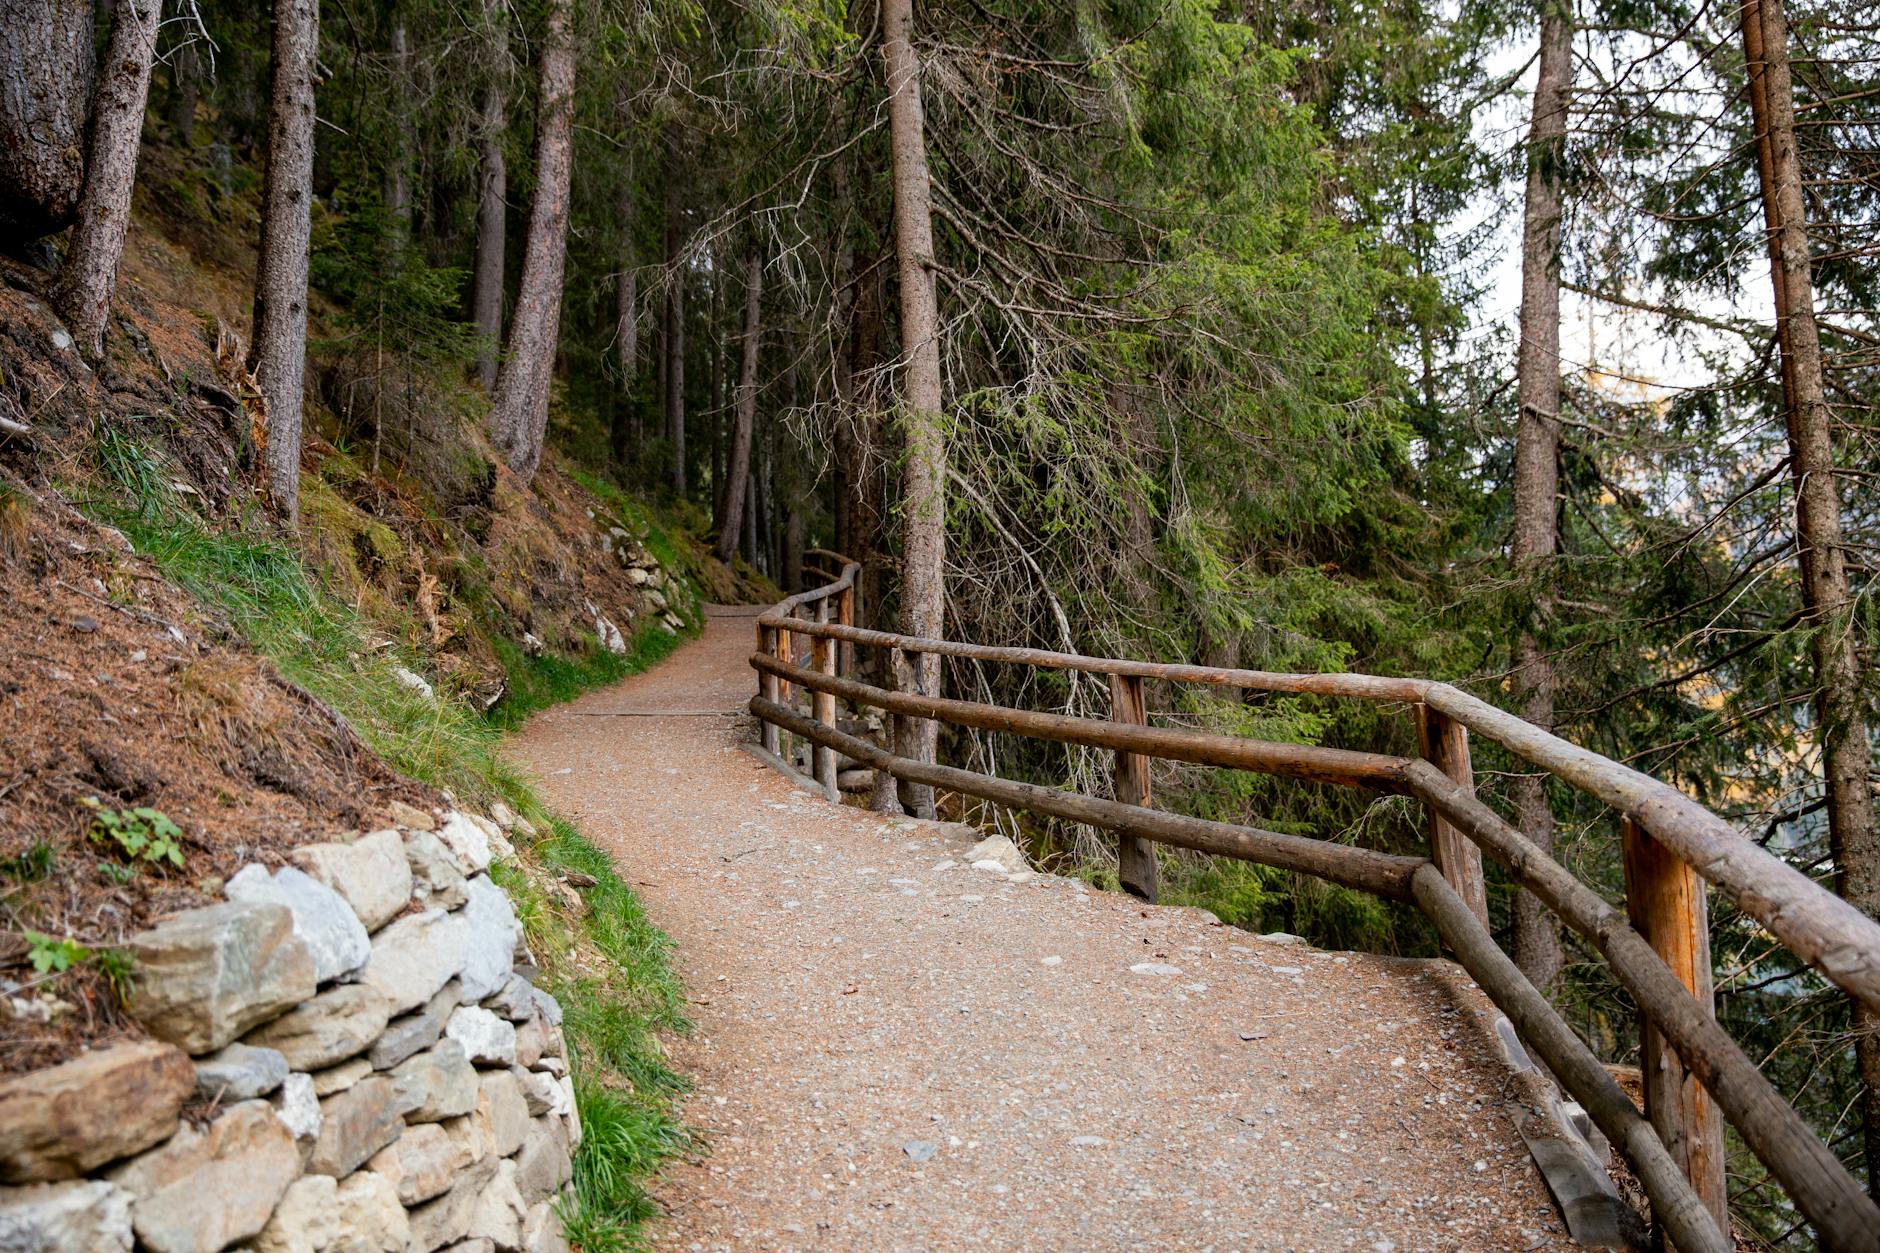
[(1696, 1076)]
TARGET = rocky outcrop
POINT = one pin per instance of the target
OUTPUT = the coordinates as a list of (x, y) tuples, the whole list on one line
[(373, 1070)]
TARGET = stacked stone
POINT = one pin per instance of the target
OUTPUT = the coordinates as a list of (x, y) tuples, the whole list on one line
[(643, 572), (363, 1056)]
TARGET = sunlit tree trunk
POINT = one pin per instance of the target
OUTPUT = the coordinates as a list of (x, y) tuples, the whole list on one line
[(675, 317), (738, 467), (923, 492), (486, 299), (278, 356), (1537, 457), (1821, 548), (398, 167), (104, 211), (519, 412)]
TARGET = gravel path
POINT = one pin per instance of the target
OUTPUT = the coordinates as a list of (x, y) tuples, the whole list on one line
[(895, 1051)]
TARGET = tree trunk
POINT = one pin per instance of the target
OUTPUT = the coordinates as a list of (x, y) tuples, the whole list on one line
[(717, 345), (626, 322), (47, 64), (486, 300), (923, 492), (738, 468), (1537, 459), (1821, 552), (675, 319), (842, 281), (278, 356), (398, 169), (185, 92), (519, 413), (104, 212)]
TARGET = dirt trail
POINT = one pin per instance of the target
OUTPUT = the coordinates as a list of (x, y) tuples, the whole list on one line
[(896, 1051)]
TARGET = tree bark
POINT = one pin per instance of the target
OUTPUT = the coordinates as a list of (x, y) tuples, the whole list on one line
[(1821, 551), (104, 212), (398, 169), (47, 64), (738, 467), (519, 413), (1537, 459), (923, 492), (486, 299), (624, 434), (185, 91), (278, 356), (675, 318)]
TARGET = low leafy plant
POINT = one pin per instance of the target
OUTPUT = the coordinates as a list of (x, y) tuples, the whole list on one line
[(119, 968), (54, 954), (115, 874), (143, 834)]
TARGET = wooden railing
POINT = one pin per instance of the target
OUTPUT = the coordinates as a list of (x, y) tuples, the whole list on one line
[(1658, 948)]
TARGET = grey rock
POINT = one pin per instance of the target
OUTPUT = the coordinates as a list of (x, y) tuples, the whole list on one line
[(516, 999), (414, 957), (539, 1091), (436, 1084), (323, 920), (333, 1026), (550, 1008), (544, 1164), (531, 1042), (493, 930), (500, 1100), (298, 1108), (468, 843), (88, 1216), (447, 1219), (421, 1163), (335, 1079), (499, 1211), (239, 1072), (920, 1150), (354, 1125), (541, 1230), (202, 1191), (206, 975), (359, 1214), (411, 1033), (486, 1038), (435, 878), (371, 874), (60, 1122), (999, 850)]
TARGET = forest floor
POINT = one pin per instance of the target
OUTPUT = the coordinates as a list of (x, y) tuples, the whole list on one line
[(894, 1050)]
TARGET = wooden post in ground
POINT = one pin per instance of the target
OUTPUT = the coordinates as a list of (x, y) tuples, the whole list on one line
[(768, 687), (1446, 746), (1135, 856), (845, 614), (1665, 901), (823, 658)]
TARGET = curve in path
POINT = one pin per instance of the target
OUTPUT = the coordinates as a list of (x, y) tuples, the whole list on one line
[(895, 1051)]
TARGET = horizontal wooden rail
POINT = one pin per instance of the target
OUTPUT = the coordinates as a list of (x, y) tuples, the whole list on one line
[(1293, 761), (1839, 1208), (1819, 927), (1674, 1203), (1380, 874)]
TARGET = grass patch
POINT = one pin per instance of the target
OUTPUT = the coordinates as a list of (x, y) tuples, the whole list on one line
[(608, 965), (536, 682)]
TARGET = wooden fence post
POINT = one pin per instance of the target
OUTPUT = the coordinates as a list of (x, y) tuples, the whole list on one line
[(845, 614), (1446, 746), (1135, 856), (1665, 901), (823, 657), (769, 736)]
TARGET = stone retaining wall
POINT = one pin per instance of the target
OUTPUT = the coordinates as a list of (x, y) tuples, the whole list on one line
[(348, 1054)]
